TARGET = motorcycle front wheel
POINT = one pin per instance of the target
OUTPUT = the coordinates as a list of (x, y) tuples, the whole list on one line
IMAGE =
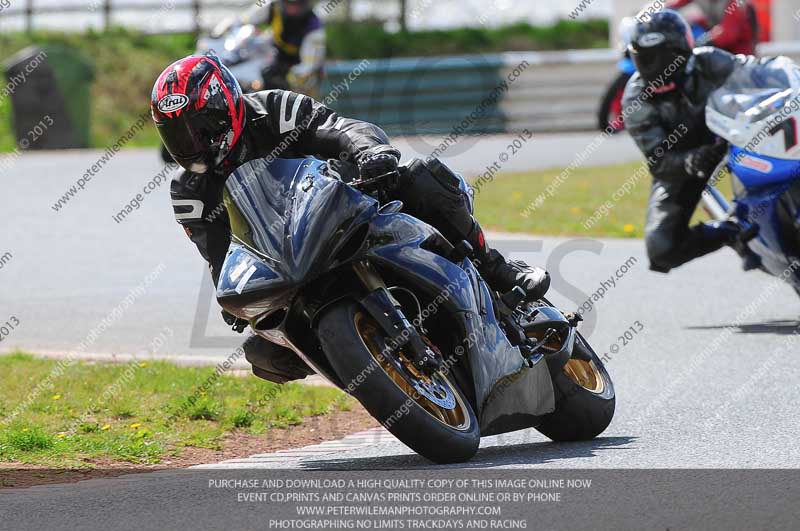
[(585, 398), (429, 414)]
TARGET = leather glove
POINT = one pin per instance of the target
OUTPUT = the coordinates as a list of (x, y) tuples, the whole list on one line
[(378, 161), (701, 162), (238, 325)]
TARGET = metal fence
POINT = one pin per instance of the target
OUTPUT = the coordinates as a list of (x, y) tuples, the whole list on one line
[(195, 15), (107, 9)]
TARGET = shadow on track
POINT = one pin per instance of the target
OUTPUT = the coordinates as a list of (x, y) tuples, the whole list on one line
[(781, 327), (493, 456)]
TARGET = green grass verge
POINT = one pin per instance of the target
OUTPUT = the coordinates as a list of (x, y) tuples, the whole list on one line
[(505, 203), (140, 412), (501, 204)]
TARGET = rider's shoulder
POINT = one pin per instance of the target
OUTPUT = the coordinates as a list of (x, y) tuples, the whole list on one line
[(713, 62), (265, 102), (314, 23), (634, 88)]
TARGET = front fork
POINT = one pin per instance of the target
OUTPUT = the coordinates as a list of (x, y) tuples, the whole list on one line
[(388, 313), (715, 204)]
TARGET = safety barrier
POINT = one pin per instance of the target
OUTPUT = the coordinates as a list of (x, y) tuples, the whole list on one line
[(538, 91)]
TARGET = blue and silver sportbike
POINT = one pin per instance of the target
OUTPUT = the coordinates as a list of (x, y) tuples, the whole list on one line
[(387, 309), (757, 112)]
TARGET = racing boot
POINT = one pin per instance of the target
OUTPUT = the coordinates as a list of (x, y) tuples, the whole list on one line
[(274, 363), (737, 237), (502, 275)]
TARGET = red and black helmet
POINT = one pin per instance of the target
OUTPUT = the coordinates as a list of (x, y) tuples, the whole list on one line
[(199, 112)]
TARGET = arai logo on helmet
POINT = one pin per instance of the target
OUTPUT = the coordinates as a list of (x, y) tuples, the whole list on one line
[(648, 40), (173, 102)]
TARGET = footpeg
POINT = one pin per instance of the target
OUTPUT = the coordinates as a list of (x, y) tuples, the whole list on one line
[(574, 319), (749, 233)]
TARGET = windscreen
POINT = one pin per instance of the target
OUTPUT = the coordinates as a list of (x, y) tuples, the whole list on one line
[(257, 196), (755, 91), (255, 15)]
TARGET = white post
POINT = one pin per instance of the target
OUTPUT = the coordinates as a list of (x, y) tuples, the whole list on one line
[(785, 20)]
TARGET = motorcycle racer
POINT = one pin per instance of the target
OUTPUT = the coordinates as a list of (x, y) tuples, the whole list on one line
[(667, 100), (298, 35), (210, 128)]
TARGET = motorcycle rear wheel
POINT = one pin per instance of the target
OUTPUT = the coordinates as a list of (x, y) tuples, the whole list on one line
[(389, 390), (585, 398)]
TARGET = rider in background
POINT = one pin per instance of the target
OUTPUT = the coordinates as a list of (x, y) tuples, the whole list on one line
[(733, 24), (298, 35), (667, 98)]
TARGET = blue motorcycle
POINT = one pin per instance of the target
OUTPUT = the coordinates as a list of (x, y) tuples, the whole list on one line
[(387, 309), (757, 112)]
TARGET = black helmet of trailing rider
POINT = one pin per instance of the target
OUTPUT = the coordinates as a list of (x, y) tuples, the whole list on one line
[(660, 47), (296, 8)]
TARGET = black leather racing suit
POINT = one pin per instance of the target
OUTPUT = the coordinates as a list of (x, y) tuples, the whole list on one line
[(286, 124), (667, 127)]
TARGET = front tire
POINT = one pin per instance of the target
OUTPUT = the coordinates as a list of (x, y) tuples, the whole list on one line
[(585, 398), (356, 348)]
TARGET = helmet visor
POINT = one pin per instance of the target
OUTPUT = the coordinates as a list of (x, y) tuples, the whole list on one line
[(658, 64), (194, 139)]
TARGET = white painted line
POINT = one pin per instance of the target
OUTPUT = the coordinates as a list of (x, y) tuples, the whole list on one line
[(351, 442)]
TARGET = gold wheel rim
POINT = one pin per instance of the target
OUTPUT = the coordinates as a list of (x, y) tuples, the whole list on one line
[(456, 418), (585, 374)]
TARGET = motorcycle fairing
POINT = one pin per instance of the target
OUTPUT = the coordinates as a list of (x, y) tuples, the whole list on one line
[(755, 170), (292, 219), (760, 205), (290, 215), (509, 395)]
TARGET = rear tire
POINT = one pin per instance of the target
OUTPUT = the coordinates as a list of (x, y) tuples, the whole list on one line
[(583, 410), (453, 437)]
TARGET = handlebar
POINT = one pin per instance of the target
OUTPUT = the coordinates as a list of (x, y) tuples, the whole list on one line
[(372, 184)]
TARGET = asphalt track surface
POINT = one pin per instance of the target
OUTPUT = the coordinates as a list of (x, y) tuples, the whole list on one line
[(708, 381)]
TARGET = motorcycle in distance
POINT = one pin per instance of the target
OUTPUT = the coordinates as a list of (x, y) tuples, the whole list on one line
[(757, 111), (385, 308)]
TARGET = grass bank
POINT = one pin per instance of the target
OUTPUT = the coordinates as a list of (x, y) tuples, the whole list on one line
[(604, 201), (99, 415), (520, 202)]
